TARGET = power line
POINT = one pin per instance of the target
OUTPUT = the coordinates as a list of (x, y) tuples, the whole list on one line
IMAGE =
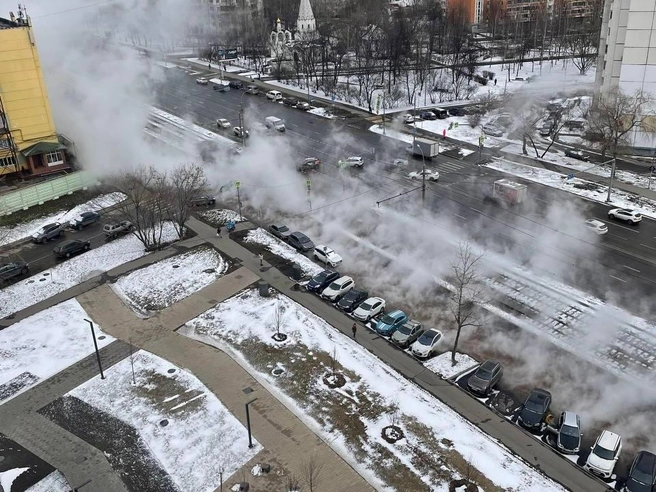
[(72, 9)]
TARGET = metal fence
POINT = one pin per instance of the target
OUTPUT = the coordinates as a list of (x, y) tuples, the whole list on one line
[(30, 196)]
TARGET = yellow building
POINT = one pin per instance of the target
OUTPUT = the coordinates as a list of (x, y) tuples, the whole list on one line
[(29, 144)]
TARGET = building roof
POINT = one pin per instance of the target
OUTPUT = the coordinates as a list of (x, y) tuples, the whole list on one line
[(305, 11), (7, 24), (42, 148)]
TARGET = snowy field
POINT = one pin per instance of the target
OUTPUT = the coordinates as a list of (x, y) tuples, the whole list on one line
[(282, 249), (71, 272), (44, 344), (221, 216), (202, 437), (441, 365), (166, 282), (554, 179), (243, 324), (9, 234)]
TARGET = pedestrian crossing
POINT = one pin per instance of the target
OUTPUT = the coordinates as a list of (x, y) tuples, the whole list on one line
[(448, 167)]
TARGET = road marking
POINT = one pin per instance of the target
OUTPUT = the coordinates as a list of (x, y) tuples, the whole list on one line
[(461, 217), (622, 238), (618, 225), (625, 266), (475, 210), (617, 278), (647, 246)]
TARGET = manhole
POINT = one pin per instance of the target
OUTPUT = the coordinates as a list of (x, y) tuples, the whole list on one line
[(45, 274), (163, 423), (209, 270), (248, 390), (42, 280), (277, 371), (102, 337), (171, 371), (79, 459), (176, 266), (31, 281)]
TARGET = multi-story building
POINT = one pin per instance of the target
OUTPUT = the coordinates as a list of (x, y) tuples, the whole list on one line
[(627, 53), (29, 144)]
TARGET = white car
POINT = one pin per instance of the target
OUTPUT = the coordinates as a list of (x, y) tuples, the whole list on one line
[(430, 175), (426, 344), (604, 455), (625, 214), (239, 130), (223, 123), (596, 226), (202, 81), (338, 288), (369, 308), (492, 130), (352, 161), (408, 119), (326, 255)]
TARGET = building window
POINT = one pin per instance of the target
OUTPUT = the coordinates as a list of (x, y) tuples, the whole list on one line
[(7, 161), (54, 158)]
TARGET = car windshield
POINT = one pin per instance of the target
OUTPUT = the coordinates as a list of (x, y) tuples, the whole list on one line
[(283, 228), (304, 239), (387, 319), (426, 338), (335, 286), (641, 477), (568, 430), (405, 329), (533, 406), (483, 374), (602, 452), (365, 306), (321, 276)]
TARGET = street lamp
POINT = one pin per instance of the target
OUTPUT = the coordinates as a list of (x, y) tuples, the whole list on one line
[(248, 424), (95, 344), (382, 87), (241, 119)]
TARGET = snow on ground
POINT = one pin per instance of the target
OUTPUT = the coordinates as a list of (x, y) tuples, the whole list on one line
[(595, 192), (221, 216), (9, 234), (247, 317), (71, 272), (202, 437), (166, 282), (164, 64), (282, 249), (215, 66), (55, 482), (220, 81), (37, 347), (442, 365), (322, 112)]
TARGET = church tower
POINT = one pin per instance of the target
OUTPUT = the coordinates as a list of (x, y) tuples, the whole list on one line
[(306, 25)]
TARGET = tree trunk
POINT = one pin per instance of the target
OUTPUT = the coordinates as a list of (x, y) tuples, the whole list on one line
[(455, 346)]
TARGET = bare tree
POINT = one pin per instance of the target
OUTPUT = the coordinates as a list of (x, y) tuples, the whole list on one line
[(311, 472), (292, 484), (582, 44), (466, 289), (278, 317), (186, 182)]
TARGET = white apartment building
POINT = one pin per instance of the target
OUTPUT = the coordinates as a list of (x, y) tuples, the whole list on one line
[(627, 52)]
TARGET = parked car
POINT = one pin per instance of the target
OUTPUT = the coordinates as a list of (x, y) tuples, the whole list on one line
[(352, 300), (280, 231), (84, 219), (66, 249), (338, 288), (456, 112), (546, 129), (604, 454), (369, 308), (492, 130), (596, 226), (485, 377), (290, 101), (322, 280), (426, 345), (222, 123), (427, 115), (252, 90), (238, 131), (203, 201), (236, 84), (274, 95), (430, 175), (504, 120), (113, 231), (202, 81), (408, 119), (352, 161), (642, 474), (303, 106), (308, 165), (326, 255), (221, 88), (407, 334), (9, 271), (300, 241), (569, 433), (535, 409), (48, 232), (389, 323), (627, 215), (577, 154)]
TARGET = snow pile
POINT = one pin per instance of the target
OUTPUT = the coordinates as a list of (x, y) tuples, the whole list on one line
[(323, 112), (202, 437), (55, 482), (9, 234), (43, 344), (74, 271), (221, 216), (166, 282), (282, 249), (442, 364)]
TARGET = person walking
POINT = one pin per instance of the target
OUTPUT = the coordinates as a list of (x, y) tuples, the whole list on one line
[(355, 330), (261, 257), (218, 231)]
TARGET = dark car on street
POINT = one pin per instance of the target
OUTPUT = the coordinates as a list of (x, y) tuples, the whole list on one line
[(203, 201), (69, 248), (427, 115), (84, 219), (321, 280), (280, 231), (48, 232), (300, 242), (456, 112), (535, 409), (290, 101), (303, 106), (9, 271), (642, 474), (485, 377), (236, 84), (407, 334), (569, 433), (352, 300), (577, 154), (308, 165)]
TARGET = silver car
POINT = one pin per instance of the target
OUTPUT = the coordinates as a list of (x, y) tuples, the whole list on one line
[(48, 232), (407, 334)]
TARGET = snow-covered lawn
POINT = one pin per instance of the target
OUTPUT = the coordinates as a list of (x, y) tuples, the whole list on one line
[(322, 112), (74, 271), (353, 417), (44, 344), (442, 365), (9, 234), (202, 437), (166, 282), (55, 482), (282, 249), (221, 216), (576, 186)]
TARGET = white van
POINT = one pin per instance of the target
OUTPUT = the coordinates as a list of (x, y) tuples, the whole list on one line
[(274, 122), (274, 95)]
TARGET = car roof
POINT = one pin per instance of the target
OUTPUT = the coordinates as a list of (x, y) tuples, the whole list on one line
[(343, 278), (299, 235), (488, 365), (570, 419), (539, 394), (645, 461), (396, 312), (594, 222), (432, 332), (68, 242), (608, 439), (372, 300)]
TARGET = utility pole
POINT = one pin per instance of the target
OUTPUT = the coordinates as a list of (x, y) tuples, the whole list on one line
[(612, 175), (308, 185), (238, 185), (423, 176), (242, 122), (95, 344)]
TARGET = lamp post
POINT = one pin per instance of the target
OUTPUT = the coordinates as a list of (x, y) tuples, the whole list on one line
[(95, 344), (248, 424), (612, 175), (241, 121), (238, 185)]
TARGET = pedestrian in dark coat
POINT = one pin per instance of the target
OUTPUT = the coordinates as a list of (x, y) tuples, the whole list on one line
[(355, 330), (218, 231)]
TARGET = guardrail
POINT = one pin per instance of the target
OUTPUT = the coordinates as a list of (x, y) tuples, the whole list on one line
[(30, 196)]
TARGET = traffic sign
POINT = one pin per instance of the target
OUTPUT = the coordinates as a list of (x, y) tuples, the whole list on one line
[(308, 183), (237, 184)]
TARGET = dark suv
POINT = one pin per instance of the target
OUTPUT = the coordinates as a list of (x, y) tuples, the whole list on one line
[(236, 84), (203, 201), (535, 409), (321, 280), (300, 241), (84, 219), (10, 271), (67, 249), (485, 378)]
